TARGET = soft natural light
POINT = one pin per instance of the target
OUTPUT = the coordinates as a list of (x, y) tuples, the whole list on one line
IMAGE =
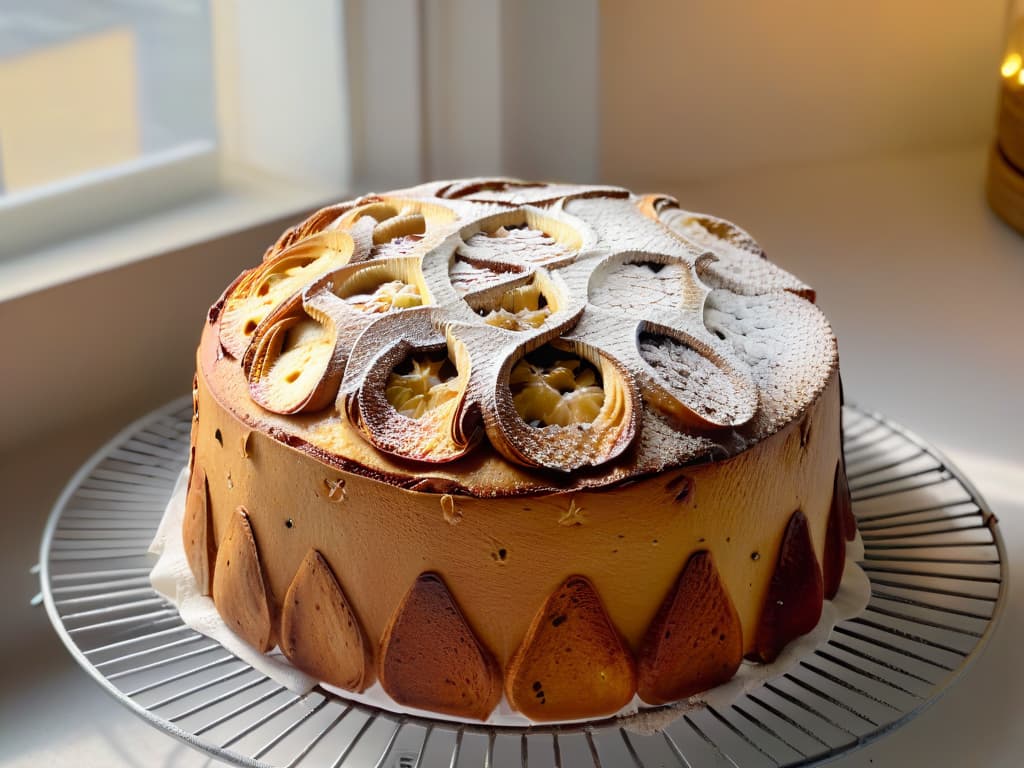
[(1011, 64), (1001, 478), (126, 56)]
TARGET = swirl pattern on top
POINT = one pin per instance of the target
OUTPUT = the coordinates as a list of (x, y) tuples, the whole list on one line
[(573, 328)]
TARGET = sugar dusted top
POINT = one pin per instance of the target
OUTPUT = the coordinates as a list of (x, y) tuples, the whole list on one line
[(494, 337)]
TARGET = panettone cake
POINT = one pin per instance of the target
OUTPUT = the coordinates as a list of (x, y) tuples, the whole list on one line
[(480, 438)]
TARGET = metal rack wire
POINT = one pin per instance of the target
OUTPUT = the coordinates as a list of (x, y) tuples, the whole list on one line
[(932, 552)]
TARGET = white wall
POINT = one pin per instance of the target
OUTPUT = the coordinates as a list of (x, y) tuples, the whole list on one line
[(510, 87), (454, 88), (708, 88), (648, 92), (551, 88)]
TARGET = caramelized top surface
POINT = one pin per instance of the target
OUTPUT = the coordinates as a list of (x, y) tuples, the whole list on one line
[(494, 337)]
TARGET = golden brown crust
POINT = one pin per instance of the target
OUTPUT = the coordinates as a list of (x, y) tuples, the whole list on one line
[(335, 442), (239, 590), (630, 534), (841, 499), (197, 530), (263, 289), (573, 662), (792, 606), (695, 641), (320, 633), (431, 659), (737, 344), (834, 561)]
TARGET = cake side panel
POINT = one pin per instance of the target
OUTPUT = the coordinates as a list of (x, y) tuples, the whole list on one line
[(503, 557)]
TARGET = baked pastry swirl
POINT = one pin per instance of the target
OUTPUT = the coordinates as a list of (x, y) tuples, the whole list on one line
[(486, 437)]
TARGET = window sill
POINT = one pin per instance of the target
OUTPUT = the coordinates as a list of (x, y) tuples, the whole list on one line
[(243, 200)]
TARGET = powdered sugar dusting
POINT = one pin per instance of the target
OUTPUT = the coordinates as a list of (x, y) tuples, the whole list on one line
[(649, 283), (521, 245), (466, 276), (701, 384), (741, 265), (400, 246), (703, 345), (785, 341)]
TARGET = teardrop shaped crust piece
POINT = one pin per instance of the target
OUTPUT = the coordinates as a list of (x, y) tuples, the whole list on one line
[(834, 560), (431, 659), (197, 531), (239, 590), (320, 633), (572, 663), (695, 641), (792, 606), (841, 498)]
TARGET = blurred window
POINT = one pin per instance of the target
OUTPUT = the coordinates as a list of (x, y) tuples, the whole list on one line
[(91, 87)]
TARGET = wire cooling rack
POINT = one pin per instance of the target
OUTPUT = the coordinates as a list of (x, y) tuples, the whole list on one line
[(933, 554)]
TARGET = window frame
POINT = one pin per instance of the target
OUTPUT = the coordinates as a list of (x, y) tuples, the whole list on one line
[(248, 163), (86, 203), (372, 68)]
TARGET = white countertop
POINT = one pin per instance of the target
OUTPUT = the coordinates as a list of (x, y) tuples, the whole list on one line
[(925, 288)]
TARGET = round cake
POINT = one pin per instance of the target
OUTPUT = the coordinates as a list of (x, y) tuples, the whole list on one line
[(485, 438)]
